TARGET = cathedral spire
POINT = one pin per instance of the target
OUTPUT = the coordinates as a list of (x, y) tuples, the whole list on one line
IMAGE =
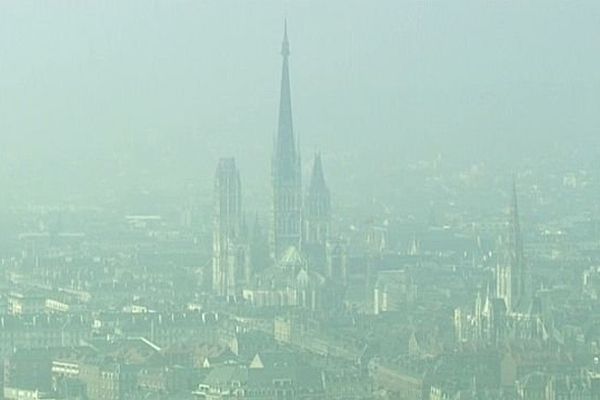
[(285, 150), (317, 213), (317, 181), (514, 204), (512, 272), (516, 243), (285, 45), (318, 202), (286, 175), (515, 239)]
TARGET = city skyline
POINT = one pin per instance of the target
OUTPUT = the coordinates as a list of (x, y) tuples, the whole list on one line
[(373, 201)]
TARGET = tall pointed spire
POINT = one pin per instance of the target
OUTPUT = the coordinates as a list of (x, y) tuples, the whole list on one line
[(287, 182), (285, 152), (512, 274), (514, 221), (285, 45), (318, 178), (318, 202), (519, 273), (317, 216)]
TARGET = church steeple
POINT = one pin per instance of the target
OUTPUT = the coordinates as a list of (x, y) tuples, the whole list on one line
[(317, 214), (286, 175), (285, 45), (519, 273), (318, 201), (515, 228), (512, 274), (317, 181), (286, 155)]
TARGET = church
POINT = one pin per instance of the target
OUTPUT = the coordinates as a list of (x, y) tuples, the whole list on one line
[(302, 255)]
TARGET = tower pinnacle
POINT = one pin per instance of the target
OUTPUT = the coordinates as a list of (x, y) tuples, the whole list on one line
[(516, 243), (285, 45), (317, 181)]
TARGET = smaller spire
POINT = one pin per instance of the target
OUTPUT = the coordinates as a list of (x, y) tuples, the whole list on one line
[(514, 195), (318, 178), (514, 225), (285, 46)]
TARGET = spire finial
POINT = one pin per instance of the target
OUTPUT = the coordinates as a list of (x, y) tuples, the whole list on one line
[(318, 178), (285, 46), (514, 207), (514, 190)]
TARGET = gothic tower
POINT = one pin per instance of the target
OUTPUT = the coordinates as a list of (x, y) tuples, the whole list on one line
[(316, 216), (286, 171), (228, 250), (511, 272), (317, 208), (518, 267), (504, 273)]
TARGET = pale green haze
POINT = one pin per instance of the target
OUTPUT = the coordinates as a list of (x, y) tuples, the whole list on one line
[(97, 94)]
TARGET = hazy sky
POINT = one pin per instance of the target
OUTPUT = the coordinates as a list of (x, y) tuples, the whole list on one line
[(96, 83)]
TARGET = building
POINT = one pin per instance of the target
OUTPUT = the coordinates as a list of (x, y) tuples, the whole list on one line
[(42, 331), (269, 376), (29, 370), (336, 252), (393, 289), (316, 218), (286, 171), (27, 302), (511, 271), (288, 284), (230, 266)]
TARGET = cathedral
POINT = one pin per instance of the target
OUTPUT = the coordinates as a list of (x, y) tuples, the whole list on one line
[(511, 271), (230, 264), (513, 309), (302, 255)]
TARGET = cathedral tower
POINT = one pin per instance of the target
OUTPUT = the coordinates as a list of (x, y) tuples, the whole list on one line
[(519, 270), (317, 207), (286, 171), (228, 250), (511, 272), (316, 216)]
